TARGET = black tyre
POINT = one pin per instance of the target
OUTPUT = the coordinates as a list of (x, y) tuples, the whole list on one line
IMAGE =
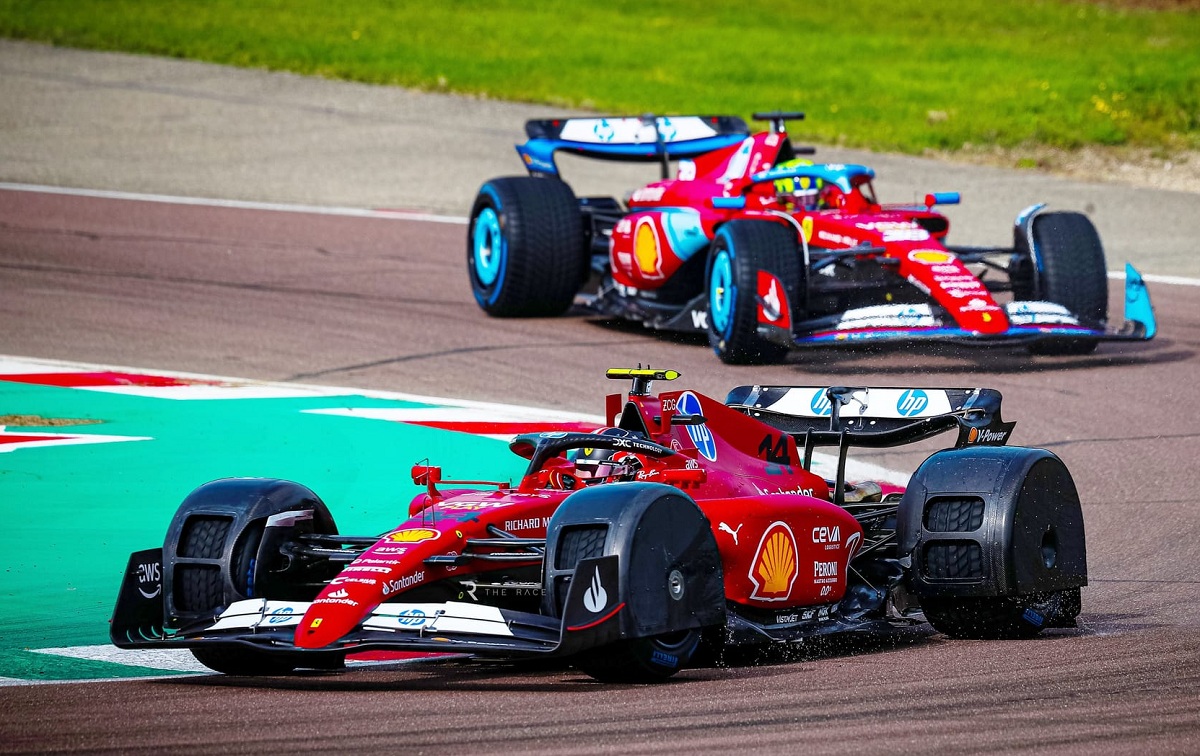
[(215, 554), (995, 617), (526, 255), (671, 587), (1068, 269), (739, 250), (641, 660)]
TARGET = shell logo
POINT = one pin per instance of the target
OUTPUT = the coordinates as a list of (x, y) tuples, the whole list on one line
[(774, 571), (931, 256), (645, 249), (413, 535)]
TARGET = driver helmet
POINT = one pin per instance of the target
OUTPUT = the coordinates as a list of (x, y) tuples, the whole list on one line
[(595, 465), (799, 191)]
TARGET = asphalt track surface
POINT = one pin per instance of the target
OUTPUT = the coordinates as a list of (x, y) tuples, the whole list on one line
[(383, 303)]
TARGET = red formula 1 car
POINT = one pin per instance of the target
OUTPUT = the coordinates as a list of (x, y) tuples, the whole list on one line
[(622, 549), (766, 251)]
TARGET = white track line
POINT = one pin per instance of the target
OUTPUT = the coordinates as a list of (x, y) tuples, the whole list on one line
[(361, 213), (240, 204)]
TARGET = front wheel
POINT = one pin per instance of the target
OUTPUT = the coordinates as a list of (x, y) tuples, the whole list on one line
[(1067, 267), (526, 255), (739, 251)]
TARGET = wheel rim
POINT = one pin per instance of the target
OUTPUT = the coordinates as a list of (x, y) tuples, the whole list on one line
[(489, 247), (720, 292)]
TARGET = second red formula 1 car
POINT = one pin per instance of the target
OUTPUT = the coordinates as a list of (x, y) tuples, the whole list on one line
[(766, 251), (620, 550)]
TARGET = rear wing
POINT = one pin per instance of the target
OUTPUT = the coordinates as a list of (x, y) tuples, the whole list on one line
[(644, 139), (845, 416)]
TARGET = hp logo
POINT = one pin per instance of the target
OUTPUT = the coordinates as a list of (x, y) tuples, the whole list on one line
[(700, 434), (820, 404), (912, 402)]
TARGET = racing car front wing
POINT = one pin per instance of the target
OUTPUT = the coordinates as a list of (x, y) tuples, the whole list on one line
[(456, 627), (1030, 321)]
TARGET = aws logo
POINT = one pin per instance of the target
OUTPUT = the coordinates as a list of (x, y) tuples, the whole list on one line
[(774, 571)]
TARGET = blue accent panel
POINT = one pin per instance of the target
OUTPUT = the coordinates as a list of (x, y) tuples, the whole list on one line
[(537, 158), (1137, 301), (833, 173), (538, 154), (729, 203), (685, 232), (1024, 214), (946, 198)]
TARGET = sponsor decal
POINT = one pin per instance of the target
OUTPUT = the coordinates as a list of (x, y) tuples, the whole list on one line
[(342, 601), (411, 617), (726, 529), (786, 619), (282, 614), (774, 571), (830, 537), (471, 506), (852, 544), (825, 572), (646, 249), (413, 535), (701, 436), (898, 231), (403, 583), (595, 598), (339, 593), (986, 436), (687, 170), (772, 301), (532, 523), (912, 402), (367, 568), (806, 228), (391, 550), (149, 576), (800, 490), (665, 659), (821, 405), (934, 257), (832, 238), (648, 194), (340, 579)]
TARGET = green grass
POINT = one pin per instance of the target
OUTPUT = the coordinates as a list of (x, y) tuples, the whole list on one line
[(902, 75)]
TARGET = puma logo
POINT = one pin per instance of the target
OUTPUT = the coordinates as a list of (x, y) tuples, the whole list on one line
[(731, 531)]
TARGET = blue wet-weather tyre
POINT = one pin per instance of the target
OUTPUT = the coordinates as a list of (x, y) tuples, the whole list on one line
[(526, 252), (738, 251)]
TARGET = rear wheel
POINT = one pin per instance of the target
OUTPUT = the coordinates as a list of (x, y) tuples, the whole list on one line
[(992, 617), (739, 251), (1069, 270), (526, 255)]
